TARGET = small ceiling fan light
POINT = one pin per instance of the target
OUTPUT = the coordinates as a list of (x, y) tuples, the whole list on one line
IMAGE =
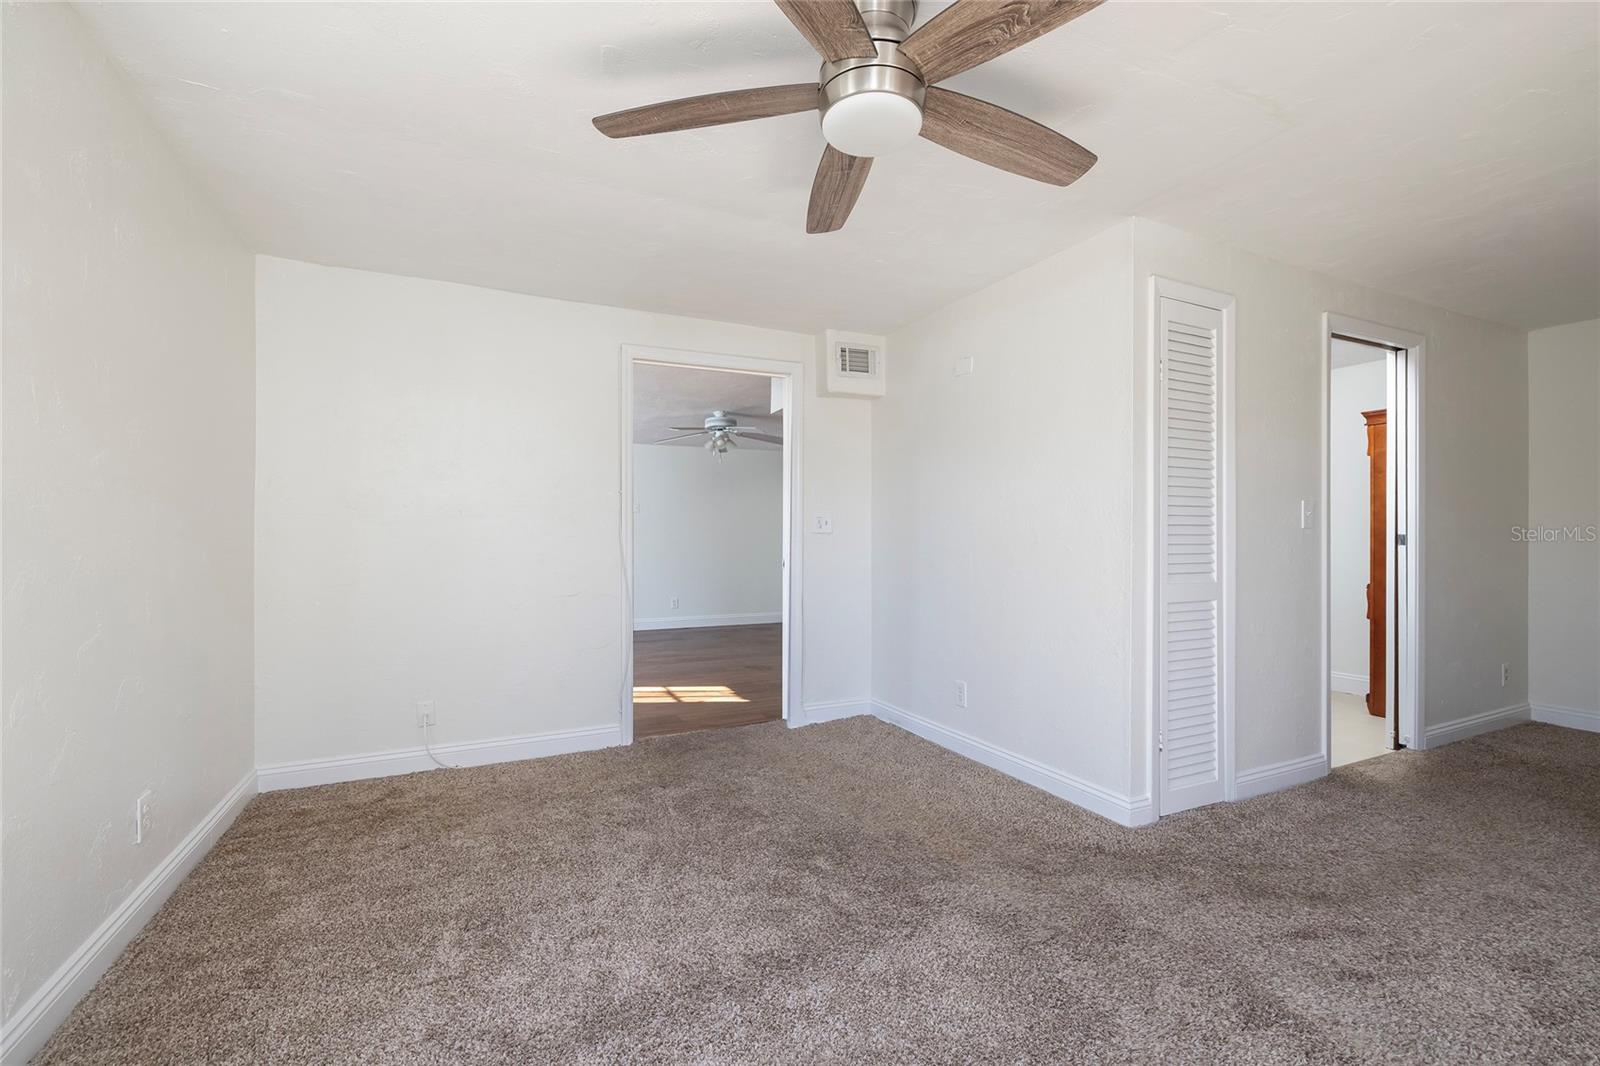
[(871, 123)]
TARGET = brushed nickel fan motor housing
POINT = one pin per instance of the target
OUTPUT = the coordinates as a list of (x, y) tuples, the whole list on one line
[(889, 20), (720, 420), (891, 70)]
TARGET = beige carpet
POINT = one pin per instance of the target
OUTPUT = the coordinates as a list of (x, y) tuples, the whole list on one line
[(849, 893)]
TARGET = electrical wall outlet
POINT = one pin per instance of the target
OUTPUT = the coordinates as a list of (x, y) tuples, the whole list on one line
[(426, 716), (961, 693), (141, 817), (1505, 674), (821, 524), (674, 603)]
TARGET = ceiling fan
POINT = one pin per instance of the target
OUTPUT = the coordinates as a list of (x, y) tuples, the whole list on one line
[(722, 430), (877, 92)]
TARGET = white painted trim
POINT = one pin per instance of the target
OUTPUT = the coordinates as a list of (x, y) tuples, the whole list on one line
[(1280, 775), (794, 374), (1227, 537), (705, 621), (411, 760), (1102, 801), (1354, 684), (1473, 724), (1571, 717), (47, 1008), (1325, 546), (833, 710)]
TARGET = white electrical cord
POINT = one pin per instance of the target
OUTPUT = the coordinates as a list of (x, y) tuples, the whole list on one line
[(428, 747)]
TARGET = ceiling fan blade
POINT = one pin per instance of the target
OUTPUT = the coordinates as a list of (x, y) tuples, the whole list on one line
[(969, 32), (768, 437), (991, 134), (835, 189), (834, 27), (713, 109), (692, 429), (680, 436)]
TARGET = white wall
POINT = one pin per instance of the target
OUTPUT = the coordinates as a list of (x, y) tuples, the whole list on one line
[(127, 442), (1475, 455), (438, 511), (1010, 509), (708, 533), (1564, 491), (1352, 390), (1001, 509)]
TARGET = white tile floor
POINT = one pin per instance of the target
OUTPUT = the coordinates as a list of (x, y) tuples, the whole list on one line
[(1357, 735)]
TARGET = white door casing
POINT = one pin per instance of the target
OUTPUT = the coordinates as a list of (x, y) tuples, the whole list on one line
[(1403, 680), (792, 374)]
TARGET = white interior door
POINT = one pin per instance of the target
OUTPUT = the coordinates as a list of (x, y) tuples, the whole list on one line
[(1190, 556)]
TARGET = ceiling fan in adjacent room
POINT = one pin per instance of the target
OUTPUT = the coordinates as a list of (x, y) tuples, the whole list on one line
[(877, 93), (723, 431)]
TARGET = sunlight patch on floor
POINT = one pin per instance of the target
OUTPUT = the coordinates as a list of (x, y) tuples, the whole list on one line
[(686, 694)]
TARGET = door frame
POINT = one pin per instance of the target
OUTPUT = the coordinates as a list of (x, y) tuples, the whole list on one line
[(1403, 680), (1227, 537), (792, 372)]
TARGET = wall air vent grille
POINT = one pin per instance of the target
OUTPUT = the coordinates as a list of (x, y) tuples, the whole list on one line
[(852, 364), (854, 360)]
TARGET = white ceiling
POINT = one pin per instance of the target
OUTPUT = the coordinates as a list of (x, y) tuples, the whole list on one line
[(1345, 353), (667, 396), (1449, 152)]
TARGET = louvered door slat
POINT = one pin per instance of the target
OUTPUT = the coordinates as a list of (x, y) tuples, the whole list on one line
[(1189, 555)]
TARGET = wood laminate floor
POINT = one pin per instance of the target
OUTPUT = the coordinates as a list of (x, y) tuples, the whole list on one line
[(711, 678)]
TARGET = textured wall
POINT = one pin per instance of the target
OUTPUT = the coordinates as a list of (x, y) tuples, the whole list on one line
[(1001, 510), (127, 496), (438, 510), (1564, 494), (709, 533)]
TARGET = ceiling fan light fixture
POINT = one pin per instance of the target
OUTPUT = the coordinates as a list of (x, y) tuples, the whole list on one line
[(877, 91), (873, 122), (872, 107)]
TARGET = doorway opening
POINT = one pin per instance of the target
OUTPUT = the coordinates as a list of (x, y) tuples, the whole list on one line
[(1370, 527), (707, 480)]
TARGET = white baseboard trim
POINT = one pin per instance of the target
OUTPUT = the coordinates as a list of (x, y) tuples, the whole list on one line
[(1354, 684), (1473, 724), (1122, 809), (47, 1008), (410, 760), (833, 710), (1279, 775), (1571, 717), (704, 621)]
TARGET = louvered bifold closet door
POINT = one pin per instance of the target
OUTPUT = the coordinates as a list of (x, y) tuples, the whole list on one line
[(1189, 555)]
